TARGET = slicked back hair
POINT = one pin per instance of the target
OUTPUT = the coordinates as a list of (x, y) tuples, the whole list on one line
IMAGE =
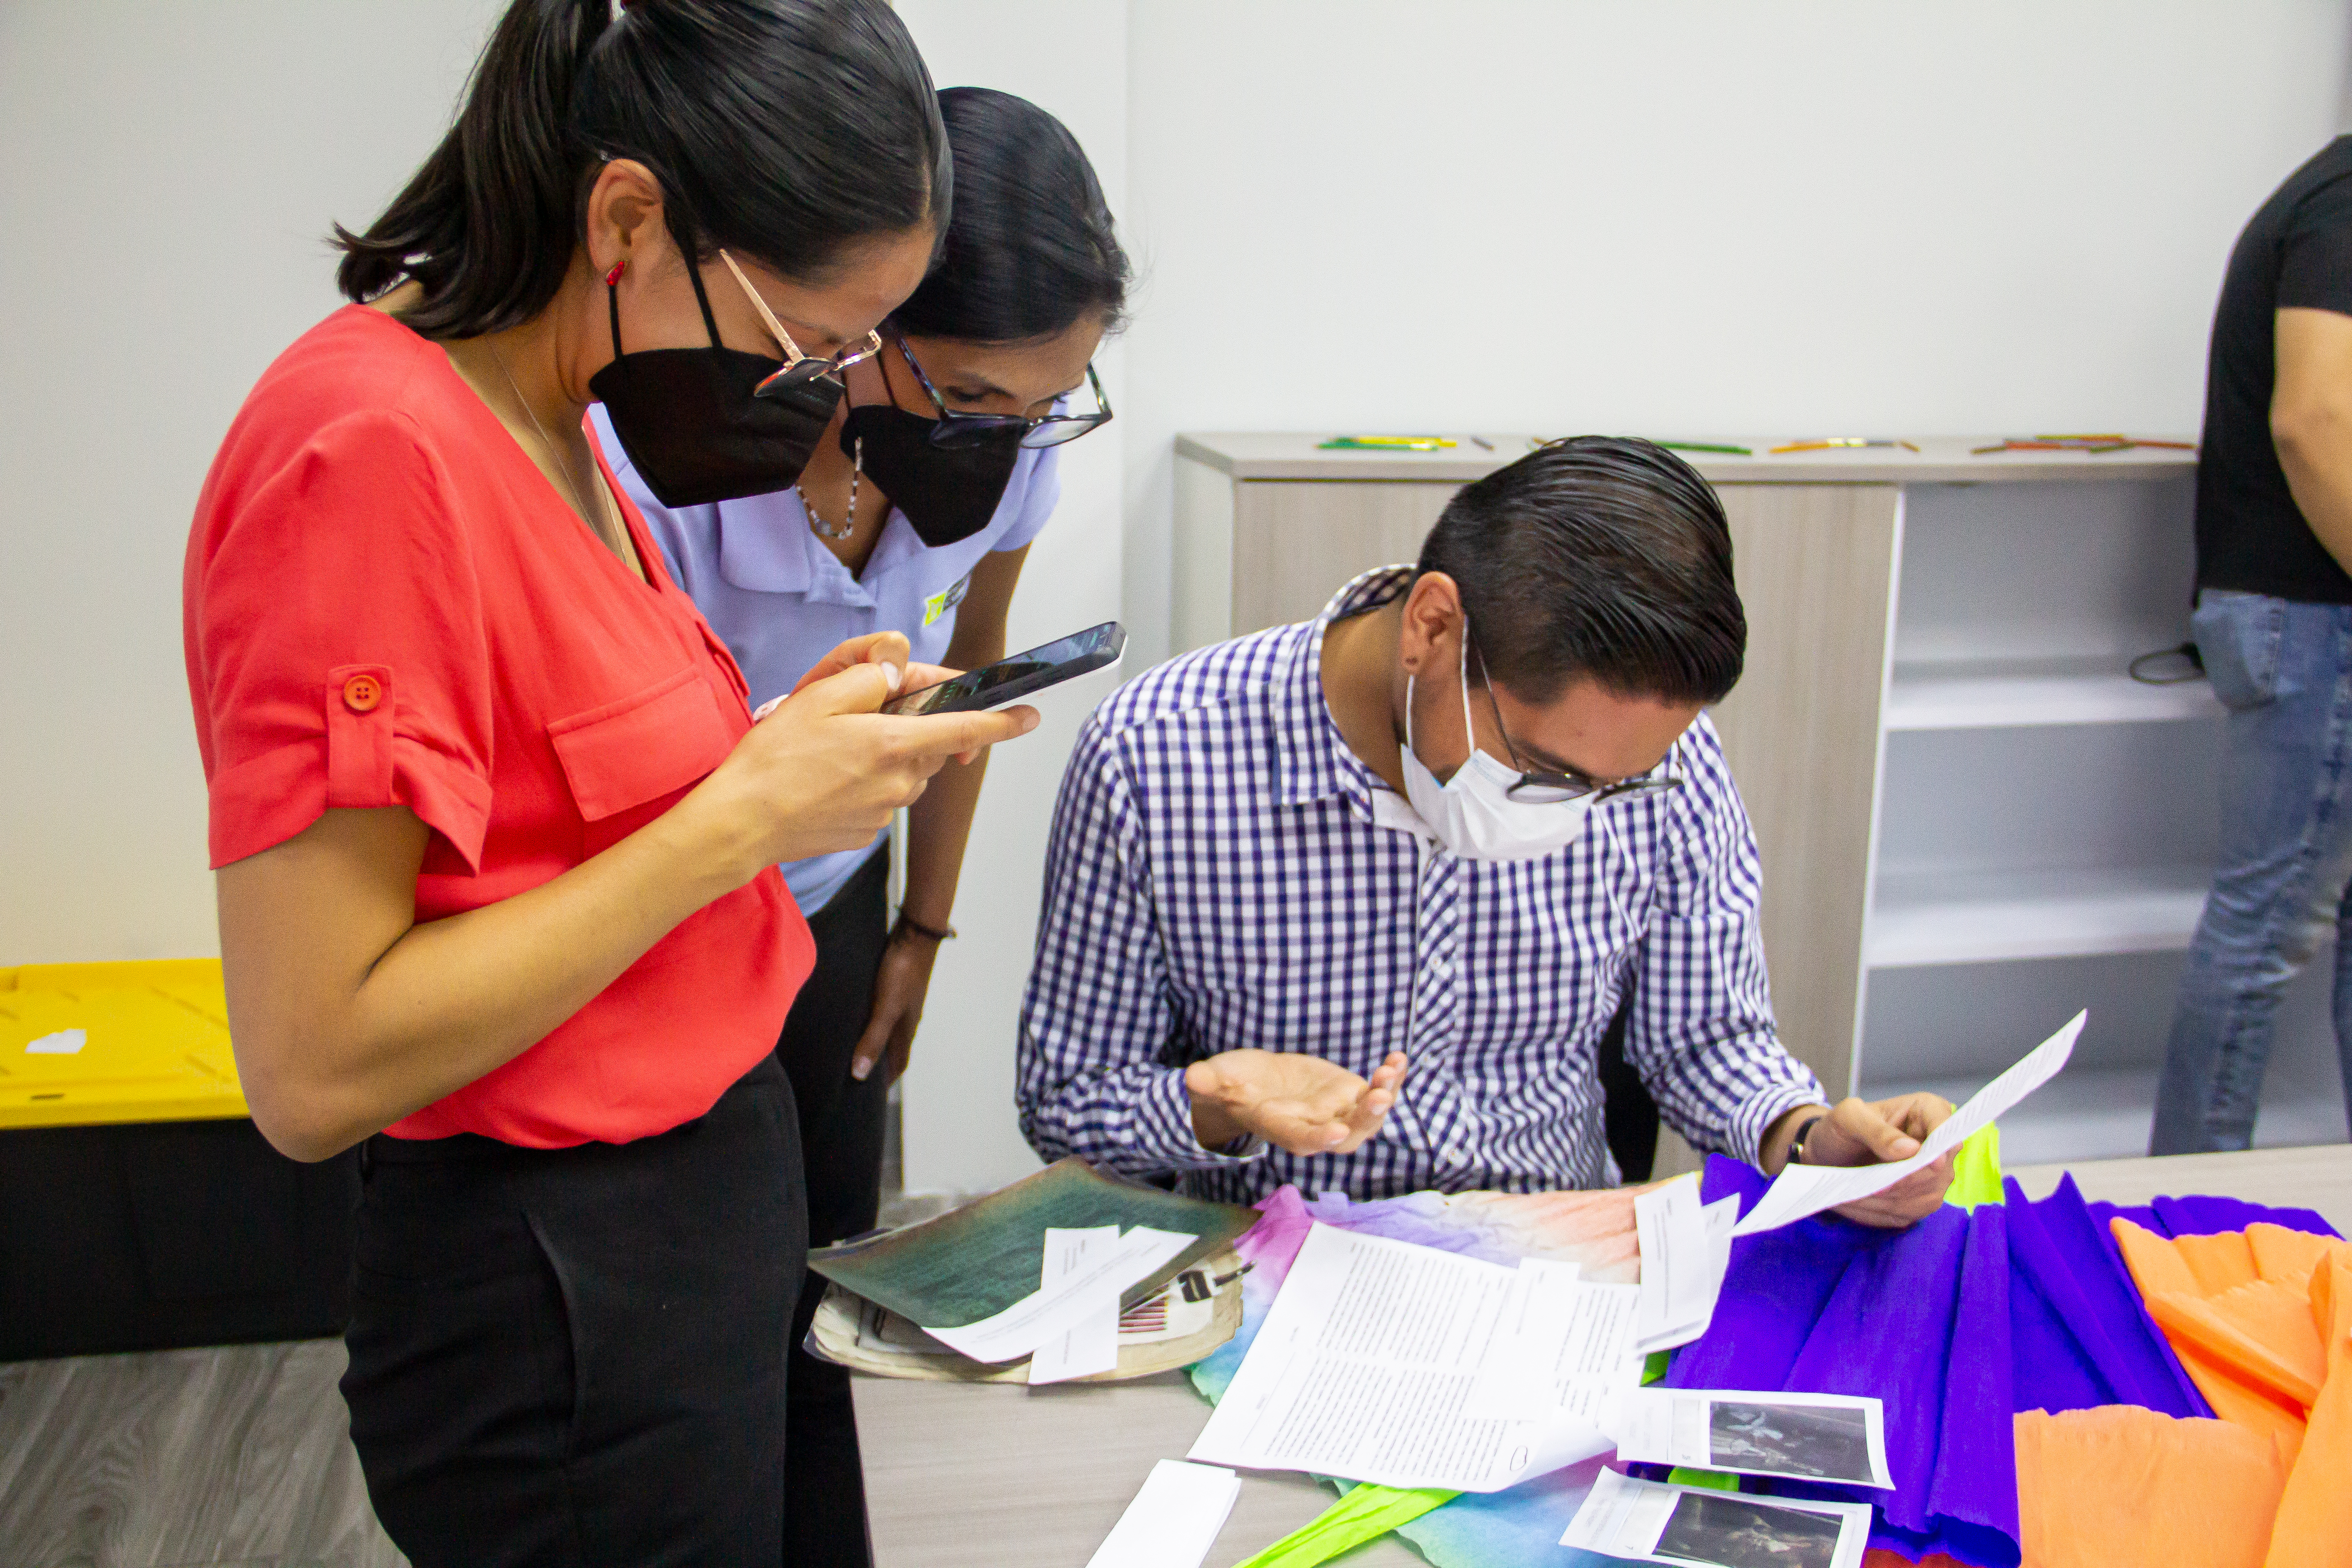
[(1600, 557)]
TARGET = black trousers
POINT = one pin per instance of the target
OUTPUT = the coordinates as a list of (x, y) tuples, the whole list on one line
[(841, 1124), (570, 1358)]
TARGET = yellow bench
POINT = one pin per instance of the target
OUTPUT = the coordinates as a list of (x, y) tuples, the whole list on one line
[(87, 1044)]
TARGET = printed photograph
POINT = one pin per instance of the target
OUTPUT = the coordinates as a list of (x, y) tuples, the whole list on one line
[(1828, 1442), (1727, 1531)]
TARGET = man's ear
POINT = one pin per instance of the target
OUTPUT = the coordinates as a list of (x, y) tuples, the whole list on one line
[(1432, 616)]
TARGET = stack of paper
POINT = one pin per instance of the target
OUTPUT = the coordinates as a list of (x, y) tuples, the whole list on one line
[(984, 1281)]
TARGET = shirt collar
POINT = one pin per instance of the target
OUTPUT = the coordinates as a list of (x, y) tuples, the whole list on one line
[(1316, 762)]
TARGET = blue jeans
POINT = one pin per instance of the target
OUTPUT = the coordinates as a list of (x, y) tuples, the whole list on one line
[(2284, 670)]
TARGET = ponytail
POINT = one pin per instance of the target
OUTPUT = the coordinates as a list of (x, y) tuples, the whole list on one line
[(787, 130)]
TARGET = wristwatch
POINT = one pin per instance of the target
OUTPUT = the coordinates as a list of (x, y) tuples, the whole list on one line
[(1804, 1131)]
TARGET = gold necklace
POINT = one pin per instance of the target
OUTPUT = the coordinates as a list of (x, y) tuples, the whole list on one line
[(596, 525), (848, 524)]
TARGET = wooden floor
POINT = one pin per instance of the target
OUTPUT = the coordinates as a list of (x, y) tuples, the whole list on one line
[(235, 1455)]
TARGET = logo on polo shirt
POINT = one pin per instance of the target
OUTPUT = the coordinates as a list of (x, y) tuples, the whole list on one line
[(946, 599)]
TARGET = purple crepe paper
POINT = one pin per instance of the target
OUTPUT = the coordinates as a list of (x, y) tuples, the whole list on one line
[(1956, 1325)]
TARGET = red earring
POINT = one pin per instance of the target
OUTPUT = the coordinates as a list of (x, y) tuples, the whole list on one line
[(613, 278)]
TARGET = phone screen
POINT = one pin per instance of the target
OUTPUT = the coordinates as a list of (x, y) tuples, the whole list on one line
[(1020, 674)]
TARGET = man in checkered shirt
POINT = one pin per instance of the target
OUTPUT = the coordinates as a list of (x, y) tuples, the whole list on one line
[(1351, 903)]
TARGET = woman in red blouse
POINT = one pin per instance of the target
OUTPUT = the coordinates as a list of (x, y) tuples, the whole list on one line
[(495, 834)]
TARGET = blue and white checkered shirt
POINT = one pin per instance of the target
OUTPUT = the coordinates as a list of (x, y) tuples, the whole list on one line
[(1225, 872)]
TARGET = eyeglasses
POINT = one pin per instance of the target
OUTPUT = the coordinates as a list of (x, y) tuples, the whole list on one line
[(955, 428), (800, 369), (1536, 787)]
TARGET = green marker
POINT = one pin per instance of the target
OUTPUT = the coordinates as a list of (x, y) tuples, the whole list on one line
[(1707, 446)]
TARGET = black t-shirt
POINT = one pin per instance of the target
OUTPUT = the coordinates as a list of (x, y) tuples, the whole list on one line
[(2297, 253)]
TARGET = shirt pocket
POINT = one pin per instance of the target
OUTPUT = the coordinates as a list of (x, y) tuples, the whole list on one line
[(629, 761)]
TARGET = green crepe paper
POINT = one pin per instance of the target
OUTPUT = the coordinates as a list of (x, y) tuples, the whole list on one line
[(1367, 1512), (1713, 1480), (1976, 1168)]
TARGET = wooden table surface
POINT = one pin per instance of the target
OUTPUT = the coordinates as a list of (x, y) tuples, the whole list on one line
[(982, 1477)]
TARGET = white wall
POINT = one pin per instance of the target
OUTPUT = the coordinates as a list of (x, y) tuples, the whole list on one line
[(1652, 216), (1551, 214), (170, 171), (960, 1135)]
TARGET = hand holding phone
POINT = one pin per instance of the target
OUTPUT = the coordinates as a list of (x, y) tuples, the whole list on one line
[(1010, 679)]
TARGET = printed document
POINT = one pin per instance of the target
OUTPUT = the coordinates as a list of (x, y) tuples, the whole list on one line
[(1564, 1348), (1801, 1191), (1042, 1314), (1090, 1344), (1364, 1367), (1685, 1252), (1644, 1521), (1836, 1437)]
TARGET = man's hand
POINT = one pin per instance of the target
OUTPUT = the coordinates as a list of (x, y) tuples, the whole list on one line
[(1872, 1132), (1295, 1101)]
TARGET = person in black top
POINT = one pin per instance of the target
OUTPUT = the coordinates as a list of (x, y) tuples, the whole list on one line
[(2273, 626)]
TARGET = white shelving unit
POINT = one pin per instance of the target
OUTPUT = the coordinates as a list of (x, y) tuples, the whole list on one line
[(2046, 825)]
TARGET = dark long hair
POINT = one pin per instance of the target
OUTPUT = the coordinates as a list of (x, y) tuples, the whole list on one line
[(1030, 249), (783, 128)]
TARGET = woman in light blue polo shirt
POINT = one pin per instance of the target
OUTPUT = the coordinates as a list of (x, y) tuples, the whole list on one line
[(914, 514)]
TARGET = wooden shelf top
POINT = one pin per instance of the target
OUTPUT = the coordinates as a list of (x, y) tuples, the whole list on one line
[(1940, 461)]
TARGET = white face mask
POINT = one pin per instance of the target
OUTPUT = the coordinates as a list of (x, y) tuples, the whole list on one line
[(1473, 813)]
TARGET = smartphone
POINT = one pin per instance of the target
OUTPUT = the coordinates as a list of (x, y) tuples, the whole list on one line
[(1012, 679)]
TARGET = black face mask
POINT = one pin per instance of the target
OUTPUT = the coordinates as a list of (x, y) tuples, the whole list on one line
[(947, 492), (690, 422)]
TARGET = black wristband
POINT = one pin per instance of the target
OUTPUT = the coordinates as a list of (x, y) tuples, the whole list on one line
[(1797, 1145), (937, 933)]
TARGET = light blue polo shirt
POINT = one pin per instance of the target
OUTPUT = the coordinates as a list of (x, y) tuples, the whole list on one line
[(781, 600)]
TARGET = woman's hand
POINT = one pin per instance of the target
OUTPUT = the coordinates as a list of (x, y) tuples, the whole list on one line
[(824, 771), (1296, 1101), (900, 987)]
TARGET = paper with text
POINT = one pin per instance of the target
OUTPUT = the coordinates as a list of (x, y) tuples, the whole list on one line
[(1090, 1344), (1644, 1521), (1685, 1252), (1564, 1348), (1039, 1316), (1364, 1365), (1173, 1520), (1839, 1437), (1801, 1191)]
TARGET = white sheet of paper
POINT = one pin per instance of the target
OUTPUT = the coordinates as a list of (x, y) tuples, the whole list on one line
[(1644, 1521), (1564, 1348), (1697, 1277), (1801, 1191), (64, 1043), (1838, 1437), (1039, 1316), (1362, 1367), (1090, 1344), (1173, 1520)]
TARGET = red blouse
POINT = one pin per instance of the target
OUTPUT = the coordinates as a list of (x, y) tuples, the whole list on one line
[(386, 604)]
